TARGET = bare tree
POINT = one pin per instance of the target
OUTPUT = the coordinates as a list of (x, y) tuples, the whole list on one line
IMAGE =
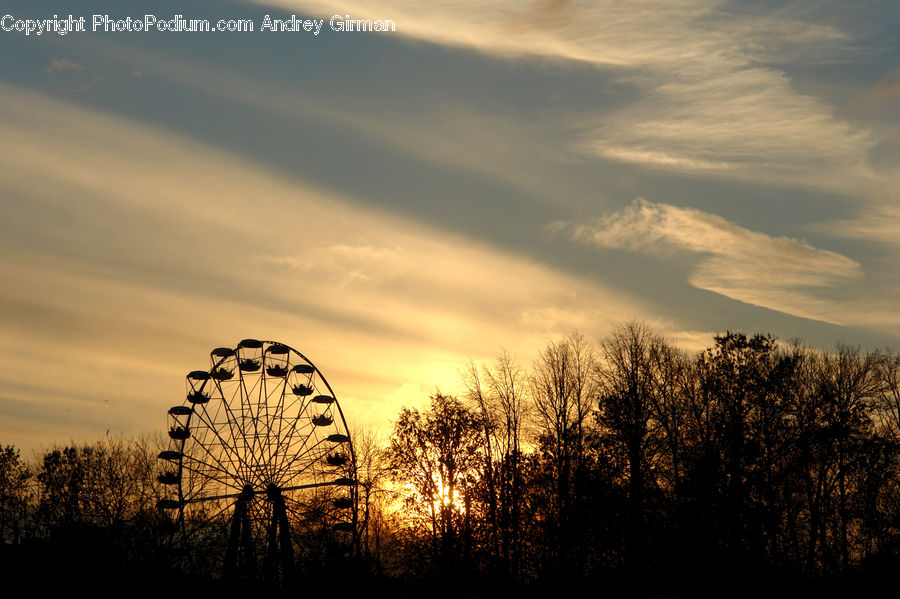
[(499, 393), (849, 387), (636, 377), (562, 392), (376, 497), (887, 372)]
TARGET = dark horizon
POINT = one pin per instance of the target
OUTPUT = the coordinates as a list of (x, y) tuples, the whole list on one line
[(485, 176), (625, 466)]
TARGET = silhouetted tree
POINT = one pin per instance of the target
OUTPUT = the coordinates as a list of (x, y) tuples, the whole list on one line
[(377, 522), (499, 393), (736, 442), (848, 387), (886, 367), (562, 390), (61, 479), (14, 495), (438, 453), (635, 375)]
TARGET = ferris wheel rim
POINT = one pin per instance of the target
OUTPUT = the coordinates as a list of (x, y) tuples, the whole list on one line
[(242, 476)]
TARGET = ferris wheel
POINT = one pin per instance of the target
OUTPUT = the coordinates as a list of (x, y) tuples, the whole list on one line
[(260, 468)]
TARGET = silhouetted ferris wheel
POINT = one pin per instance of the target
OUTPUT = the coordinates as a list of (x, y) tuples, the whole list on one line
[(260, 469)]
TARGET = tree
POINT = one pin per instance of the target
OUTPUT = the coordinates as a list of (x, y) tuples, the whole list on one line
[(14, 495), (848, 386), (887, 373), (499, 393), (61, 479), (636, 377), (107, 483), (119, 480), (438, 453), (375, 497), (562, 390)]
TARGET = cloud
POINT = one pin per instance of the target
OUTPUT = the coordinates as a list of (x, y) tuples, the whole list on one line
[(64, 64), (779, 273), (747, 124), (686, 35), (611, 34), (347, 266), (711, 98), (655, 158), (878, 223), (81, 78), (129, 253), (505, 147)]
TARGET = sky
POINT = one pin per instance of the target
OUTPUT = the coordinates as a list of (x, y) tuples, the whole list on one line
[(393, 204)]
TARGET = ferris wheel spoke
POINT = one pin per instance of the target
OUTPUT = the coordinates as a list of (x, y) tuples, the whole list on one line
[(302, 469), (207, 447), (199, 520), (214, 497), (240, 436), (300, 444), (320, 504), (301, 449), (231, 419), (284, 433), (296, 453), (299, 401), (299, 506), (228, 450), (303, 432), (310, 486), (209, 471), (279, 418), (277, 414), (316, 458), (294, 430), (249, 433), (257, 446), (209, 475), (262, 402), (273, 420), (206, 464), (212, 465)]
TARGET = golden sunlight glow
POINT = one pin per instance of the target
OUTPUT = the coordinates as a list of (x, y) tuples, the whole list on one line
[(388, 308)]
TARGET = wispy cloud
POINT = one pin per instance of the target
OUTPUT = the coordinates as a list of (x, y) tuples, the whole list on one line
[(64, 64), (348, 266), (774, 272), (155, 254), (746, 124), (634, 34), (82, 78), (712, 100), (878, 223)]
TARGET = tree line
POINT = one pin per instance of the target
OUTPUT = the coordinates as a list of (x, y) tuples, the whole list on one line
[(641, 466), (626, 463)]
